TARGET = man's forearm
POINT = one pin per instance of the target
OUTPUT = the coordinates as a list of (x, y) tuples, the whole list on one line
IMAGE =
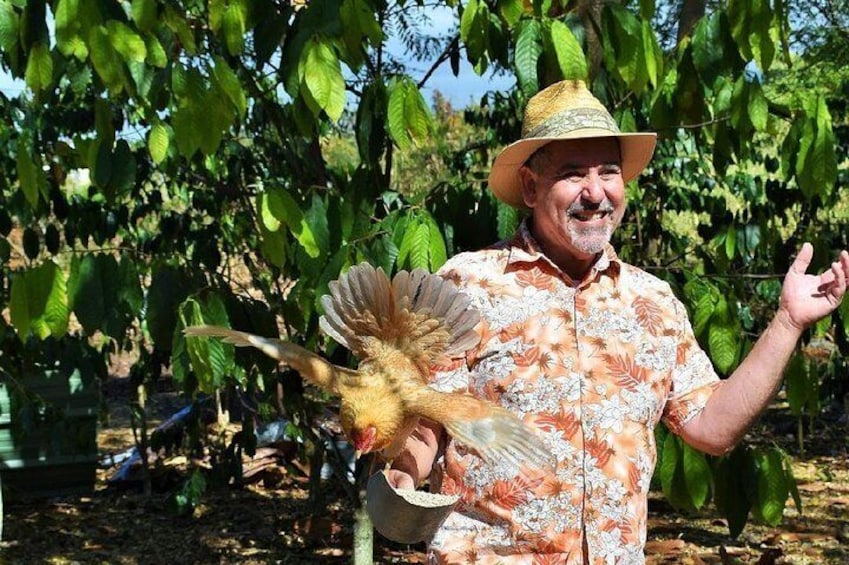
[(741, 398)]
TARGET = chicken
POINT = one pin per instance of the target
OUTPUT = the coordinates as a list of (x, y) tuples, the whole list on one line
[(399, 330)]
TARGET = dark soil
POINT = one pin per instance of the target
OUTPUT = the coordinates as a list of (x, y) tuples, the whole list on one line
[(269, 520)]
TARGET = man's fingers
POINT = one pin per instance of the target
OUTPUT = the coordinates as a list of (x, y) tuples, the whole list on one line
[(803, 259)]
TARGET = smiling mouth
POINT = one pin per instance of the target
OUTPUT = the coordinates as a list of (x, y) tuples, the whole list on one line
[(589, 215)]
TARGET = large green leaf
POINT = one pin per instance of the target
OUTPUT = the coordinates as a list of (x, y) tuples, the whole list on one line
[(283, 207), (570, 56), (724, 337), (697, 476), (9, 27), (39, 302), (528, 50), (796, 385), (730, 494), (233, 25), (772, 486), (88, 297), (126, 42), (143, 13), (29, 175), (39, 73), (228, 82), (321, 78), (212, 360), (816, 164), (105, 59), (408, 116), (158, 142)]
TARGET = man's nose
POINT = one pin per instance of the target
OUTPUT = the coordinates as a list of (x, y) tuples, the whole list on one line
[(593, 188)]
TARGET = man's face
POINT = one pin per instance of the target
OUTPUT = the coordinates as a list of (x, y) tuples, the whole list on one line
[(577, 196)]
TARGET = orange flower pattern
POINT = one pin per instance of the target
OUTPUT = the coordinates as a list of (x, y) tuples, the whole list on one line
[(592, 367)]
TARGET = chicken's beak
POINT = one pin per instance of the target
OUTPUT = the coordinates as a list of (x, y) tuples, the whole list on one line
[(357, 454)]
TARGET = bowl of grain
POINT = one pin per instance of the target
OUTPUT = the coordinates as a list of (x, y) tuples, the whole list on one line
[(405, 515)]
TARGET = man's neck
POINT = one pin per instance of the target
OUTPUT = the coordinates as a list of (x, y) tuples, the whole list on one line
[(574, 265)]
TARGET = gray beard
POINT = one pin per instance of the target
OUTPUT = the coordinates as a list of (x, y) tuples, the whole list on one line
[(590, 240)]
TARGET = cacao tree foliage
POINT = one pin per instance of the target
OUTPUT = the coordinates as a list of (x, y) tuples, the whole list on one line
[(168, 164)]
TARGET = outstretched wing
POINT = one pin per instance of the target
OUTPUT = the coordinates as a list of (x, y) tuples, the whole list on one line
[(419, 314), (312, 367), (495, 433)]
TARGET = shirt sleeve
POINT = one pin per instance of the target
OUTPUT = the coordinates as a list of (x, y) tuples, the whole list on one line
[(693, 377)]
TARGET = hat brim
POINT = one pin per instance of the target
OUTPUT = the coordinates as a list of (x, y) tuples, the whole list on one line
[(636, 150)]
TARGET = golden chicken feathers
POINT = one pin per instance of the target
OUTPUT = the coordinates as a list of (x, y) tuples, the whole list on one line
[(399, 329)]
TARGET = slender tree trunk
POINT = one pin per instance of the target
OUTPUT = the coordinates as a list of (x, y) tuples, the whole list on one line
[(363, 529), (590, 14), (691, 12)]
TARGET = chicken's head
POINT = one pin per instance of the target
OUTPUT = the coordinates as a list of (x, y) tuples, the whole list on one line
[(364, 440)]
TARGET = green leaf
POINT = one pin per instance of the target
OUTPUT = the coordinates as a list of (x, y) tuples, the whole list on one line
[(233, 25), (126, 42), (28, 175), (417, 114), (669, 464), (816, 163), (528, 50), (229, 84), (772, 486), (359, 23), (105, 59), (212, 359), (39, 302), (286, 210), (652, 56), (758, 107), (406, 232), (730, 493), (157, 142), (697, 476), (507, 218), (9, 27), (730, 242), (702, 297), (87, 295), (570, 56), (39, 73), (143, 13), (155, 53), (419, 246), (796, 385), (723, 338), (395, 115), (321, 77)]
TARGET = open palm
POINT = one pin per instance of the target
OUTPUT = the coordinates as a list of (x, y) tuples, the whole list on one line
[(807, 298)]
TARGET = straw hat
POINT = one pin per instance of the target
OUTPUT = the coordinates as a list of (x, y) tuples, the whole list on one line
[(564, 110)]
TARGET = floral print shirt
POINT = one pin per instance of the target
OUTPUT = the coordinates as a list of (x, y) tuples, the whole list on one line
[(592, 366)]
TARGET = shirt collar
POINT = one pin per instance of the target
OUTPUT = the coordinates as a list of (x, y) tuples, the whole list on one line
[(524, 248)]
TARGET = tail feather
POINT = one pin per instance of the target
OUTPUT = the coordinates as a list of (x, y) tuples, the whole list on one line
[(312, 367)]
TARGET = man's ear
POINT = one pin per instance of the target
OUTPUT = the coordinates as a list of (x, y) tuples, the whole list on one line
[(529, 186)]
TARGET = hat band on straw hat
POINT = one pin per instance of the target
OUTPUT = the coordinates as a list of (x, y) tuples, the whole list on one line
[(573, 119)]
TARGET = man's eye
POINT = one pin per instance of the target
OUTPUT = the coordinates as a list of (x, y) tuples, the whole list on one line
[(572, 176), (610, 173)]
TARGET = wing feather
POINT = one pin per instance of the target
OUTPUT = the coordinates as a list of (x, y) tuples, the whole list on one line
[(495, 433)]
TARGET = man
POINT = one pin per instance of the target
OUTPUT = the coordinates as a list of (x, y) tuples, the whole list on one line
[(589, 351)]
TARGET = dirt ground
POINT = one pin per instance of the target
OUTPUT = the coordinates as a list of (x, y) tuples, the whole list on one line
[(268, 522)]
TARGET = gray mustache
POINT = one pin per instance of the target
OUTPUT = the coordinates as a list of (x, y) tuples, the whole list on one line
[(578, 207)]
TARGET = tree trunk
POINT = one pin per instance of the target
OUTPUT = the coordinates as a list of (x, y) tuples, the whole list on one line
[(363, 536), (691, 12), (590, 14)]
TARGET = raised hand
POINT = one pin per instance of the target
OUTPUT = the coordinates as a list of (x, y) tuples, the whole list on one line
[(807, 298)]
